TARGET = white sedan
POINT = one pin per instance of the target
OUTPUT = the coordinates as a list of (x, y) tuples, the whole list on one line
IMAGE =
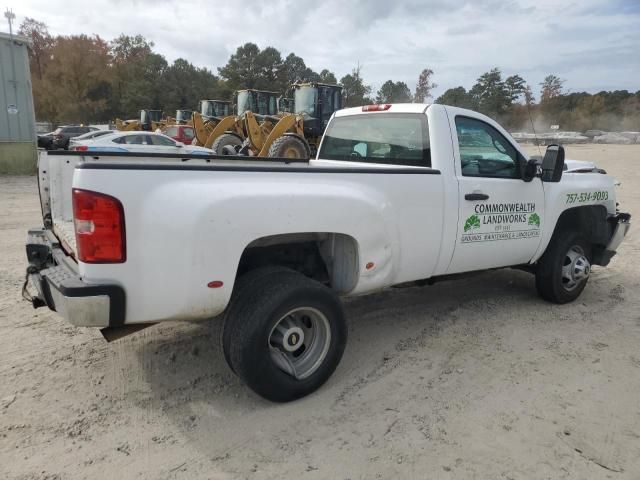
[(140, 142)]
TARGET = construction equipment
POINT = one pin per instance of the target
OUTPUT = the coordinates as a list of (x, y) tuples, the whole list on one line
[(227, 134), (183, 117), (212, 113), (150, 120), (295, 135), (285, 105), (215, 108)]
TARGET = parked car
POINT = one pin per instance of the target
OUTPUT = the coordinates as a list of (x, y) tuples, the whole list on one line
[(63, 134), (45, 140), (180, 133), (398, 194), (92, 135), (143, 142)]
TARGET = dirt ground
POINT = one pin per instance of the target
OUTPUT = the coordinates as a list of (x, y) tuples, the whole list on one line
[(474, 379)]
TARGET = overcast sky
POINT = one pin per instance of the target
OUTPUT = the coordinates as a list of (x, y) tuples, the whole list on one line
[(593, 44)]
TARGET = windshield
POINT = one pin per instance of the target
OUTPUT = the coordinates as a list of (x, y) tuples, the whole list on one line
[(305, 99), (245, 102), (262, 103), (214, 109), (183, 115), (392, 138)]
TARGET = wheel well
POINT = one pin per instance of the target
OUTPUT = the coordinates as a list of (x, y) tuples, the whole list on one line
[(591, 220), (330, 258)]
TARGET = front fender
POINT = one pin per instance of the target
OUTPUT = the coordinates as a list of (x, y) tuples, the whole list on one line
[(575, 190)]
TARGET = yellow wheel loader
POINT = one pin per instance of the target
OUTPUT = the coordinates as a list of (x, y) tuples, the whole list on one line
[(228, 134), (150, 120), (293, 135), (183, 117), (204, 121)]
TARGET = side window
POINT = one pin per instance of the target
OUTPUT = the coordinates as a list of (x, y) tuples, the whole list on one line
[(484, 151), (162, 141), (188, 133), (135, 140)]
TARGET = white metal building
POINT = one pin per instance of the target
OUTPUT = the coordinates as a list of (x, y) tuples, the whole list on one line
[(17, 120)]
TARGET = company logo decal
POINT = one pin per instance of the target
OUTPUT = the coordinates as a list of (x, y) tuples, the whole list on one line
[(501, 221)]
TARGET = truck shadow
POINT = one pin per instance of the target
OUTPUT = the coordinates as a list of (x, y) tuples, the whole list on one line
[(190, 383)]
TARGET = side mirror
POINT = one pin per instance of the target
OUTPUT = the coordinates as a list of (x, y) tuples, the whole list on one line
[(530, 170), (179, 144), (553, 163)]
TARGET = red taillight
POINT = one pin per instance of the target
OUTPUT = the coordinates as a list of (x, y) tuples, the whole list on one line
[(99, 224), (376, 108), (81, 148)]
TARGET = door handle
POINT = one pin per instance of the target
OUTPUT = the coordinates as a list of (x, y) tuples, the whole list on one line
[(476, 196)]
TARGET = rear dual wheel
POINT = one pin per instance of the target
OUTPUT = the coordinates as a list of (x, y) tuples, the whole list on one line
[(284, 334)]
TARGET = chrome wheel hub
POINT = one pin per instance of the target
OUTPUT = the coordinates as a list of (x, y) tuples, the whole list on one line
[(299, 341), (575, 268)]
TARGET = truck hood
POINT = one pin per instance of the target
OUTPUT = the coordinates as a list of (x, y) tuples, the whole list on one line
[(580, 166)]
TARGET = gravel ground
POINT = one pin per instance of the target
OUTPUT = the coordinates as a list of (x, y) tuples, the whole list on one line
[(477, 378)]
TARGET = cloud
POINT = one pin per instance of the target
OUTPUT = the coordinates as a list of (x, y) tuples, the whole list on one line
[(593, 44)]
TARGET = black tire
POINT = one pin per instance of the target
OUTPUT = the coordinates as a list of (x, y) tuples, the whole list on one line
[(551, 284), (289, 146), (243, 286), (262, 300), (226, 140)]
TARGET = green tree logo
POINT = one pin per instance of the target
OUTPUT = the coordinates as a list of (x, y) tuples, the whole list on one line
[(534, 219), (472, 222)]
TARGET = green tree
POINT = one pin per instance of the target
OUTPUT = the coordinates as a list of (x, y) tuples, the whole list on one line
[(294, 70), (250, 67), (327, 77), (354, 91), (243, 68), (184, 84), (137, 75), (393, 92), (456, 97), (550, 88), (424, 86), (516, 86), (491, 94), (269, 68)]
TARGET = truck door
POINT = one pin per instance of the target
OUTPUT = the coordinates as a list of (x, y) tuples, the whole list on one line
[(499, 214)]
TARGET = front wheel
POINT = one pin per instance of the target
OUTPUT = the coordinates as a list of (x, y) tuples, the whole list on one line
[(564, 269), (226, 144), (284, 334), (289, 146)]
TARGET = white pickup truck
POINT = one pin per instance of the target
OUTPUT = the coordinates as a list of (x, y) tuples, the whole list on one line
[(397, 193)]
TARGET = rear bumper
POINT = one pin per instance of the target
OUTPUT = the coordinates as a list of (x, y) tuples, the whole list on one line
[(54, 275), (620, 224)]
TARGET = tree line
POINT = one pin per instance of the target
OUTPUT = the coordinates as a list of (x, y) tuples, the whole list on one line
[(511, 101), (81, 78)]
